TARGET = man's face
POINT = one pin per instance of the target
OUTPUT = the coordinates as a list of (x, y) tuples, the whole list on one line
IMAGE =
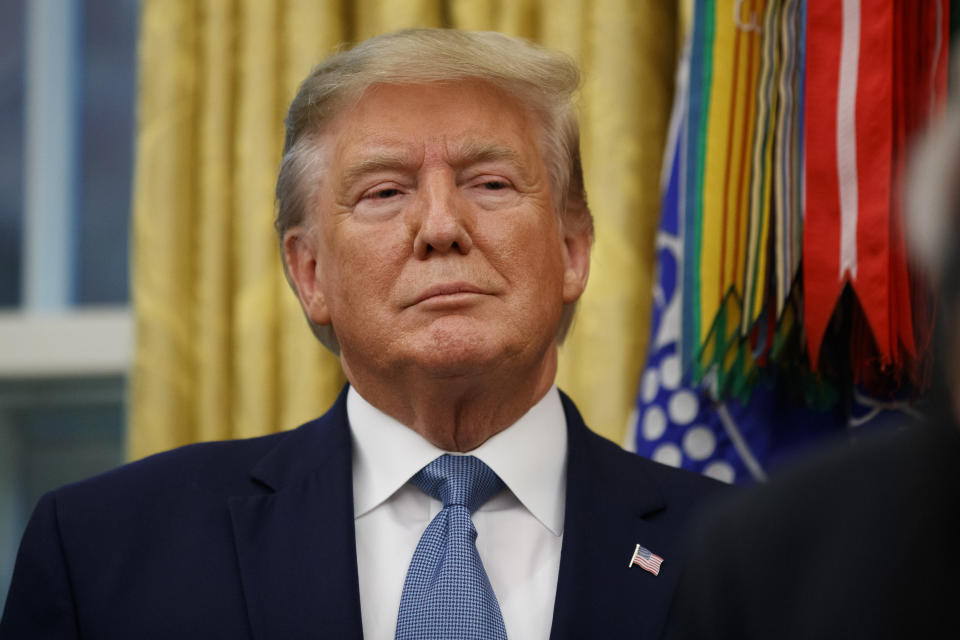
[(435, 246)]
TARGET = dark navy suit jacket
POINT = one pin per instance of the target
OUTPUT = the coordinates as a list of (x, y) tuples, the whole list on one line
[(255, 539)]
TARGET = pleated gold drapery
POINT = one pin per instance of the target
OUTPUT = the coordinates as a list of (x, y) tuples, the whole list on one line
[(223, 350)]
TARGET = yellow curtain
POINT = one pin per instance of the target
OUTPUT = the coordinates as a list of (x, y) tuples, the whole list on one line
[(222, 348)]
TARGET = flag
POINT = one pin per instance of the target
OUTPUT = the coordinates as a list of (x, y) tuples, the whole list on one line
[(781, 231), (643, 558), (679, 420)]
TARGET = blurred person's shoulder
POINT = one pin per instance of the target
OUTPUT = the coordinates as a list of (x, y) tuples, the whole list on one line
[(855, 541), (868, 488), (899, 467)]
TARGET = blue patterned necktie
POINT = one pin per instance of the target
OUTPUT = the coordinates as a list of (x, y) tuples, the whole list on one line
[(447, 594)]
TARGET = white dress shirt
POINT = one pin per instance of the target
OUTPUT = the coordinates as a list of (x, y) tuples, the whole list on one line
[(519, 530)]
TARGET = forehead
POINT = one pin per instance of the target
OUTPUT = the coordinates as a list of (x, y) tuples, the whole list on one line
[(450, 118)]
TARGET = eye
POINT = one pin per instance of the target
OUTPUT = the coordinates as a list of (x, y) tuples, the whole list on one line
[(383, 194), (381, 199), (493, 190), (491, 184)]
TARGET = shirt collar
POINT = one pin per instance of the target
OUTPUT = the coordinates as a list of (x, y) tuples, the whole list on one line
[(529, 456)]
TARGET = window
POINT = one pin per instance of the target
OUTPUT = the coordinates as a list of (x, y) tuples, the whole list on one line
[(12, 88), (67, 94)]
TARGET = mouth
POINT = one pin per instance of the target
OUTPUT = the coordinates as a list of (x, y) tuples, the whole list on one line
[(448, 293)]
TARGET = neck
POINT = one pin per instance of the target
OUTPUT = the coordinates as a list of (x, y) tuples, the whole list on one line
[(458, 413)]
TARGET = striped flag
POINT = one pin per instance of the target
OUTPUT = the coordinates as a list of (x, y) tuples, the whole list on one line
[(875, 74), (780, 189), (848, 138), (643, 558)]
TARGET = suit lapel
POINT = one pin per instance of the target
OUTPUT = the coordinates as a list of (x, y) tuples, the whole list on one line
[(613, 503), (295, 543)]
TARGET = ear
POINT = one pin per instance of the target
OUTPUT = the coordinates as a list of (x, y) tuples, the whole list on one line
[(576, 263), (302, 257)]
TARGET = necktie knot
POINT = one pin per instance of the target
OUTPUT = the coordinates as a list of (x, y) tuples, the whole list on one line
[(458, 480)]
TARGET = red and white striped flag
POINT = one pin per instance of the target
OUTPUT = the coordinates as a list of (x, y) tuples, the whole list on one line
[(858, 94), (646, 560)]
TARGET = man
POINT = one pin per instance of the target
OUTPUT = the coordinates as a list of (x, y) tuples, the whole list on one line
[(434, 226), (861, 540)]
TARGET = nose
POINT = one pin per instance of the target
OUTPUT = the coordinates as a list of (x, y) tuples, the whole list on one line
[(442, 218)]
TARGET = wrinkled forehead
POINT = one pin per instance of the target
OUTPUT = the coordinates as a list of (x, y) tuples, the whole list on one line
[(464, 110)]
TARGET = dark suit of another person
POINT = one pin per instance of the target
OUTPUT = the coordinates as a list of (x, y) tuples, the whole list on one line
[(856, 544)]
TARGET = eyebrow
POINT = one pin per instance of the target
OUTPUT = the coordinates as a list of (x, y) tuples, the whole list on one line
[(475, 151), (380, 161)]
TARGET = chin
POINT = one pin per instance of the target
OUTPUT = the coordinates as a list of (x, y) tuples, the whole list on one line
[(458, 351)]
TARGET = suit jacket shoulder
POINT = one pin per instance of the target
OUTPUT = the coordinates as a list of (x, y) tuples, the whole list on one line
[(197, 542), (615, 501)]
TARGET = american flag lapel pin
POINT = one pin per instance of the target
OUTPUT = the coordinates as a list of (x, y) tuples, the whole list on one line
[(646, 560)]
